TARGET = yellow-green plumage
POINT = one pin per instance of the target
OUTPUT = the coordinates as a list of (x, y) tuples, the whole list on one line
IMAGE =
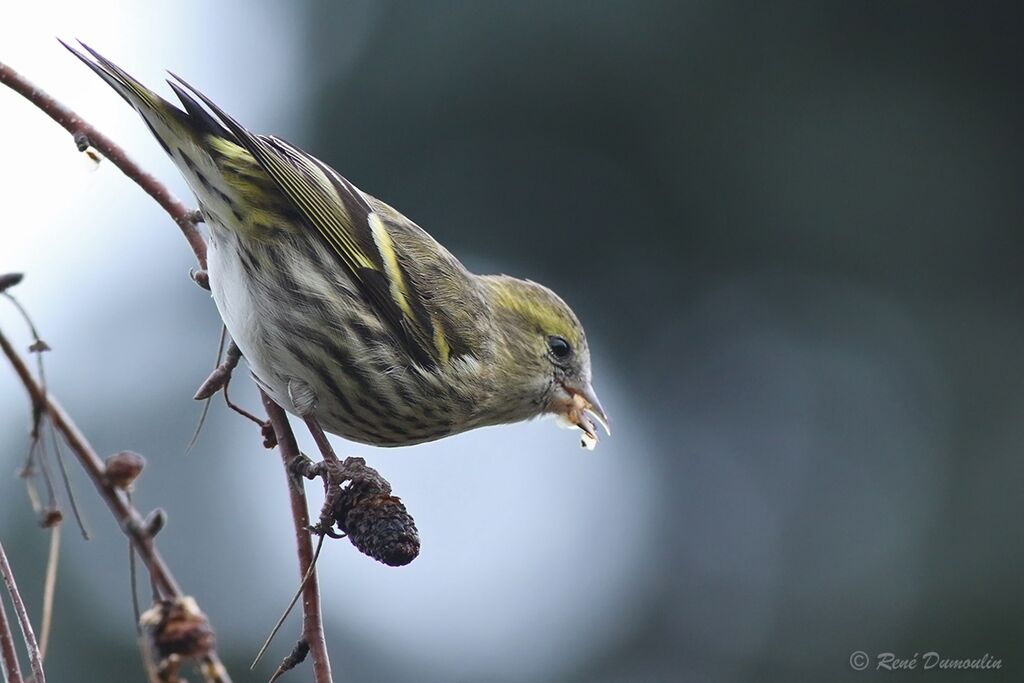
[(347, 311)]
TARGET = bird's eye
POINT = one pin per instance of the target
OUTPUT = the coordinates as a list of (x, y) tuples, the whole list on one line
[(560, 348)]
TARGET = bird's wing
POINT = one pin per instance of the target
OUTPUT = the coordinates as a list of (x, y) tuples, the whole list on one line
[(457, 308), (357, 234)]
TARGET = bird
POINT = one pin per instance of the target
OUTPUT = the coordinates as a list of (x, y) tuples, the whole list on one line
[(345, 310)]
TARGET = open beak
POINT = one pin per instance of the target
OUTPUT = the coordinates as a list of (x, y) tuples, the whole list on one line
[(582, 406)]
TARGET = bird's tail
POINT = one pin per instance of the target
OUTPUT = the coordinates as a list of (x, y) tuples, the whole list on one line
[(170, 126)]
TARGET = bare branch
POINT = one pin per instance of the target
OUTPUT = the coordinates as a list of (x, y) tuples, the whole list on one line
[(291, 605), (206, 401), (26, 626), (312, 621), (294, 658), (85, 135), (8, 656), (131, 522), (49, 590)]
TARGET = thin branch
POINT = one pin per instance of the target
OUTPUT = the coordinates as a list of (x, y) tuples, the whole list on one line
[(49, 590), (85, 135), (38, 348), (206, 401), (220, 380), (8, 656), (291, 605), (131, 522), (294, 658), (63, 469), (312, 622), (133, 578), (26, 626), (38, 439)]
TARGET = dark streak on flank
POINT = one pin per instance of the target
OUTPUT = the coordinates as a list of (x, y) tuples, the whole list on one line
[(281, 270), (392, 427), (194, 169), (248, 263), (322, 261), (303, 358), (368, 335), (368, 386), (324, 374), (366, 405)]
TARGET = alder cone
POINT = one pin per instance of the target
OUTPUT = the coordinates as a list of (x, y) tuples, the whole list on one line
[(376, 522)]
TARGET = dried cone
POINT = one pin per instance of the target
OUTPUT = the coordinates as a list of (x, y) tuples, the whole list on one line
[(178, 629), (376, 522)]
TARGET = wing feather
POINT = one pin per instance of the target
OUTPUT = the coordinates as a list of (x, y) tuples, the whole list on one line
[(347, 223)]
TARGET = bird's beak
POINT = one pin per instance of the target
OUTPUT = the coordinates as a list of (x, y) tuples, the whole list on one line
[(581, 406)]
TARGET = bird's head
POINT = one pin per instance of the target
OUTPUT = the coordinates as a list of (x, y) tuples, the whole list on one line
[(543, 362)]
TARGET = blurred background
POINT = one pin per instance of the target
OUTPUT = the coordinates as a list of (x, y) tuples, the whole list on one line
[(792, 230)]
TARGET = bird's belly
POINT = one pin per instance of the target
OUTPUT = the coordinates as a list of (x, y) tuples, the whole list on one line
[(244, 315), (290, 335)]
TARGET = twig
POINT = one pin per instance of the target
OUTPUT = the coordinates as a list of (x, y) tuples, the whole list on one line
[(85, 135), (8, 656), (38, 442), (49, 590), (63, 469), (294, 658), (133, 578), (206, 401), (312, 622), (291, 605), (131, 522), (26, 626), (220, 380)]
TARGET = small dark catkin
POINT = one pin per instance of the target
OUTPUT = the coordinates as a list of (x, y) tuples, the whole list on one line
[(376, 522)]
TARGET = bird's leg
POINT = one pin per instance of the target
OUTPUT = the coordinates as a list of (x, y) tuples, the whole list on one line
[(320, 438)]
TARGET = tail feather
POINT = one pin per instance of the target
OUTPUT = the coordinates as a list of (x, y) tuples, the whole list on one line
[(167, 122), (199, 116), (204, 144), (136, 94)]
